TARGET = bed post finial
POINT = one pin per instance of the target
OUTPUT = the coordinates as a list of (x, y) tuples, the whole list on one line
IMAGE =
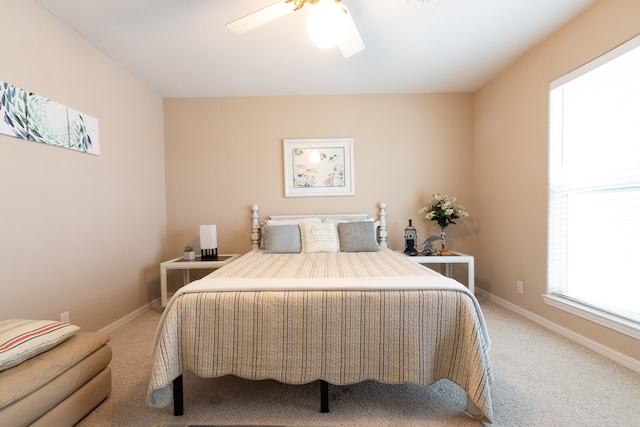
[(255, 228), (383, 224)]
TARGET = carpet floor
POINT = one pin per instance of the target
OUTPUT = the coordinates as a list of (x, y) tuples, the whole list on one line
[(220, 425), (541, 380)]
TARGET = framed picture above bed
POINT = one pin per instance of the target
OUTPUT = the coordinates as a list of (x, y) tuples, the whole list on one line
[(318, 167)]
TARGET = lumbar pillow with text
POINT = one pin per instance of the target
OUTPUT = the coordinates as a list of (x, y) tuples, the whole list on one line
[(322, 237)]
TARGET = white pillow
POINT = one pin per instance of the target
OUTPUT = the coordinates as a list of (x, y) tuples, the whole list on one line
[(319, 237), (23, 339), (296, 221)]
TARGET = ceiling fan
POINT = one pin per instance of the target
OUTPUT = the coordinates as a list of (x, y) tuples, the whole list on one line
[(340, 28)]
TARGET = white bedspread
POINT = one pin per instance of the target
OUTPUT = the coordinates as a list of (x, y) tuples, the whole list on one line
[(340, 317)]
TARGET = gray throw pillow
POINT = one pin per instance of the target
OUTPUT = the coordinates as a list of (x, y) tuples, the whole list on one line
[(281, 239), (357, 236)]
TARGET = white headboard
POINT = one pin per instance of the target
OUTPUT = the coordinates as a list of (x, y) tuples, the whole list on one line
[(382, 220)]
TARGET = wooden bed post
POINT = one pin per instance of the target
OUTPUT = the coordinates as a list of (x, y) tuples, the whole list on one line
[(383, 225), (255, 228)]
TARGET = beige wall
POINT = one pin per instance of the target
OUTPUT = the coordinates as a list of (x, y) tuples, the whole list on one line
[(511, 164), (78, 232), (225, 154)]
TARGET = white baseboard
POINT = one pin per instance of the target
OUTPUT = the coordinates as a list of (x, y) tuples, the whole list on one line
[(605, 351), (128, 318)]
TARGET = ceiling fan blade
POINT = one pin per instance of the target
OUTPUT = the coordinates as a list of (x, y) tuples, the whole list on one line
[(262, 16), (351, 43)]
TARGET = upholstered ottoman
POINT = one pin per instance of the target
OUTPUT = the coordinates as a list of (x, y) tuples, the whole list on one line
[(59, 386)]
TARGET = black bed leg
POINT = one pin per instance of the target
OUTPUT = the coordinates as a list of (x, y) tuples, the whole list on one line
[(324, 396), (178, 398)]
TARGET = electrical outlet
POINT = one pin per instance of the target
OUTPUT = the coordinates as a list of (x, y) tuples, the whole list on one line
[(64, 317), (520, 286)]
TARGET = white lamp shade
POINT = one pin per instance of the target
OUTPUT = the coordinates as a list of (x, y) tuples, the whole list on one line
[(327, 23), (208, 237)]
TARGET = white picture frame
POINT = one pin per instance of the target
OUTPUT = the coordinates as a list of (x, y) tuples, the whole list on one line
[(321, 167)]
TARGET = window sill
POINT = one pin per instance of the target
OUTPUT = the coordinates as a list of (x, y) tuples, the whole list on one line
[(611, 321)]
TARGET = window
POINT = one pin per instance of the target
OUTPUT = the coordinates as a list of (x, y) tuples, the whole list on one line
[(594, 189)]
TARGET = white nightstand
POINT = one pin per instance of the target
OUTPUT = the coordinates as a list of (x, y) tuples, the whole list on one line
[(185, 265), (449, 260)]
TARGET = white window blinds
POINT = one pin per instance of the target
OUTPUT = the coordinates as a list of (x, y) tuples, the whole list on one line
[(594, 183)]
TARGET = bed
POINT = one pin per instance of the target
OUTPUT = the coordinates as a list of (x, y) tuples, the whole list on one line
[(297, 314)]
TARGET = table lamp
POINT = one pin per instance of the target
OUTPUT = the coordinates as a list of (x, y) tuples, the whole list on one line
[(208, 243)]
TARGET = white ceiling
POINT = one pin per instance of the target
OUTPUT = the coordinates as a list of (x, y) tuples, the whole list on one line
[(181, 48)]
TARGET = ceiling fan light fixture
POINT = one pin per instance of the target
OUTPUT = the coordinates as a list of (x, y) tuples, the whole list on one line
[(327, 23)]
